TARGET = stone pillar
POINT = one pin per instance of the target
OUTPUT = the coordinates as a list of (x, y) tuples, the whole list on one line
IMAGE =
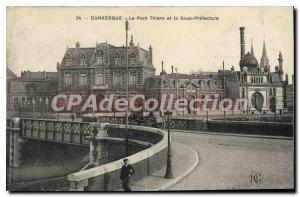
[(15, 143), (78, 185), (98, 146)]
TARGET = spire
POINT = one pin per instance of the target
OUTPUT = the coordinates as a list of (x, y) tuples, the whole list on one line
[(280, 60), (131, 41), (150, 53), (264, 62), (252, 50)]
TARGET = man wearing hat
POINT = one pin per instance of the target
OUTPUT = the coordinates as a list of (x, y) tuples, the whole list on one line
[(126, 172)]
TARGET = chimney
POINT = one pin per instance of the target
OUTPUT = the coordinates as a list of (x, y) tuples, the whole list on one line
[(162, 66), (77, 45), (150, 53), (172, 69), (242, 41)]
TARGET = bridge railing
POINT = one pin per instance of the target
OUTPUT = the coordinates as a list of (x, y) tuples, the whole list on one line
[(106, 177), (55, 130), (176, 122)]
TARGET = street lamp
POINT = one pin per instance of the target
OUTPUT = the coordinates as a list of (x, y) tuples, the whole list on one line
[(169, 172), (127, 87)]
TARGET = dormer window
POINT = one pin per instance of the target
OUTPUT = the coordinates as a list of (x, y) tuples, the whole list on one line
[(132, 58), (83, 60), (117, 59), (68, 60), (99, 56)]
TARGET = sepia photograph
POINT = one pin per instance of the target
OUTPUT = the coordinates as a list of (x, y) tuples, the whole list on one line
[(150, 99)]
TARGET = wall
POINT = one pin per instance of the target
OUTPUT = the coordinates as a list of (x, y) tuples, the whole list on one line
[(252, 127)]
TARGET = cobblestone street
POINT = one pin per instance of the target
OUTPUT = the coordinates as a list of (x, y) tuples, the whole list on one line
[(234, 162)]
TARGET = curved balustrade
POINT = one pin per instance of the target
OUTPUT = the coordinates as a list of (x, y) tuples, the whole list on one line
[(106, 177)]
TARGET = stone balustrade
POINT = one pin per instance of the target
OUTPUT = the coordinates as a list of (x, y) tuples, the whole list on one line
[(106, 177)]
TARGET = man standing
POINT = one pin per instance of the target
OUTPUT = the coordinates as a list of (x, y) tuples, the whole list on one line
[(126, 172)]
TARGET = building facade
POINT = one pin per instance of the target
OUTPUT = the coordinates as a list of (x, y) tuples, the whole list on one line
[(102, 69), (264, 89), (31, 93)]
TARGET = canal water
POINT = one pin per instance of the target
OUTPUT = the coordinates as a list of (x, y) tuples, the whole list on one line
[(45, 165)]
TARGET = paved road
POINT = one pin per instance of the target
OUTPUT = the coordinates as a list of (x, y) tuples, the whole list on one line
[(227, 162)]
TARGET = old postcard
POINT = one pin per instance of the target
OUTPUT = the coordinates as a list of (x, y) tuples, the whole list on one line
[(150, 99)]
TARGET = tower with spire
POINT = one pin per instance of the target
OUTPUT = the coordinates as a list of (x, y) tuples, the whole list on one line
[(264, 61)]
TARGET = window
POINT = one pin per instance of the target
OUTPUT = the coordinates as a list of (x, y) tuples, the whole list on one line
[(132, 58), (82, 79), (99, 57), (132, 78), (68, 79), (99, 79), (208, 83), (117, 59), (116, 79), (68, 60), (83, 59)]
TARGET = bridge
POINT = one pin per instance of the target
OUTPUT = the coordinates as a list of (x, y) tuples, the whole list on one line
[(96, 136)]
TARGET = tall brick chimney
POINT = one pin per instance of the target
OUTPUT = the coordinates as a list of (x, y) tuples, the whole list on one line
[(242, 34)]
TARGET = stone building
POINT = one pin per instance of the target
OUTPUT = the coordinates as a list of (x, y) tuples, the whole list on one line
[(194, 86), (264, 90), (101, 70), (31, 93), (290, 96)]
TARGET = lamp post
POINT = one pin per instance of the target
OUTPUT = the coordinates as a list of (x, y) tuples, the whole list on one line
[(127, 86), (169, 172)]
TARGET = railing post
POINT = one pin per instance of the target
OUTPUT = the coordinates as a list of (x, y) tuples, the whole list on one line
[(98, 146), (15, 143)]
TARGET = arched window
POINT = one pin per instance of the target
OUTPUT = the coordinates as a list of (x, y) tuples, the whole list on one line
[(68, 59), (208, 83), (132, 58), (99, 56), (117, 59), (83, 59), (200, 82)]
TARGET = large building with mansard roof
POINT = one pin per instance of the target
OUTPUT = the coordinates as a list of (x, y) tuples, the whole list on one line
[(102, 69)]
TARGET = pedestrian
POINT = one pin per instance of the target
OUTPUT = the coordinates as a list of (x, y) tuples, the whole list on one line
[(125, 176)]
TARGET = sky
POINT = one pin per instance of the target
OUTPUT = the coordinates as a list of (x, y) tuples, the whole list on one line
[(37, 37)]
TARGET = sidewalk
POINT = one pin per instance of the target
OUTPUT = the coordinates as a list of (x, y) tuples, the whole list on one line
[(235, 134), (185, 159)]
